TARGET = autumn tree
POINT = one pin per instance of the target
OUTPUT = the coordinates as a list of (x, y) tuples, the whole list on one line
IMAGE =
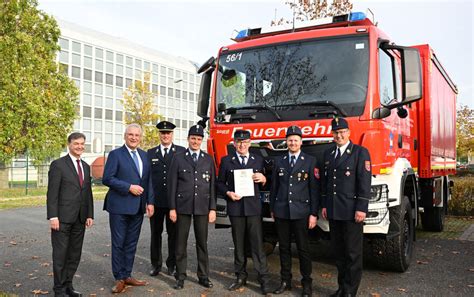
[(139, 108), (464, 133), (37, 101), (306, 10)]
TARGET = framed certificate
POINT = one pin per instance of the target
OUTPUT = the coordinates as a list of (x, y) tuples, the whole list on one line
[(243, 182)]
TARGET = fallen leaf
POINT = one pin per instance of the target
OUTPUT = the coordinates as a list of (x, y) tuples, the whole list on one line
[(17, 285), (39, 292), (34, 257), (402, 289), (7, 264), (101, 289), (45, 264), (470, 286), (421, 262), (451, 286), (374, 295), (241, 289), (13, 242), (50, 274), (33, 277), (106, 255), (326, 275), (471, 269), (151, 290), (455, 252), (18, 270), (92, 295)]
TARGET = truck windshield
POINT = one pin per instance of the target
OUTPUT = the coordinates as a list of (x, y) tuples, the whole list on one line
[(293, 77)]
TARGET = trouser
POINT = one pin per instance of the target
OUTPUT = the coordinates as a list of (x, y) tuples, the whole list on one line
[(347, 244), (249, 229), (125, 231), (160, 216), (183, 225), (67, 249), (299, 228)]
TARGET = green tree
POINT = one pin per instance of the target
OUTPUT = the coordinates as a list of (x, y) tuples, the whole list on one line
[(464, 133), (306, 10), (138, 106), (37, 100)]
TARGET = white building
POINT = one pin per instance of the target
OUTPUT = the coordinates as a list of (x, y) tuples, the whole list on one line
[(103, 66)]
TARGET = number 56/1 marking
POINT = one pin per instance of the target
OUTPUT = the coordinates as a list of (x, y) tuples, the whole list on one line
[(233, 57)]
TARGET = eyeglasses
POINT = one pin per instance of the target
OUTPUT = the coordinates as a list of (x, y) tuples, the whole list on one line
[(243, 142), (340, 132)]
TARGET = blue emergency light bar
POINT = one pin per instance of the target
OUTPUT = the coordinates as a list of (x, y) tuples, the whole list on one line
[(351, 17)]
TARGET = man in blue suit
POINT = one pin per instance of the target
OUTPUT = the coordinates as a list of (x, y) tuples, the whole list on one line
[(127, 174)]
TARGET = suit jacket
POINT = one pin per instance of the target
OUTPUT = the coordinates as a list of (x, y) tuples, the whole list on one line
[(66, 199), (192, 185), (160, 166), (247, 206), (295, 191), (120, 173), (346, 184)]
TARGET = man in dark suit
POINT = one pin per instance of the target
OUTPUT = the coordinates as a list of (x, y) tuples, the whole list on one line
[(244, 212), (294, 202), (127, 174), (192, 195), (70, 209), (160, 158), (345, 198)]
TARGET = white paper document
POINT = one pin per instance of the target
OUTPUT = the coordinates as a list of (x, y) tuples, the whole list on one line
[(243, 182)]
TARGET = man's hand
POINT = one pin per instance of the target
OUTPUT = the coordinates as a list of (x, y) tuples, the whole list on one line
[(136, 190), (212, 216), (271, 213), (359, 216), (89, 222), (173, 215), (312, 221), (54, 224), (233, 196), (324, 213), (259, 178), (150, 210)]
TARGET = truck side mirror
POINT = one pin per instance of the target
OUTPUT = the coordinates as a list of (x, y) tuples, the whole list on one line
[(204, 93), (381, 112)]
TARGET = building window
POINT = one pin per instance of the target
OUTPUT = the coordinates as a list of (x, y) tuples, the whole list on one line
[(87, 87), (119, 69), (97, 125), (98, 113), (109, 79), (99, 53), (109, 67), (162, 91), (88, 50), (129, 72), (185, 95), (87, 62), (98, 101), (170, 72), (129, 61), (108, 126), (119, 105), (86, 99), (109, 102), (87, 74), (63, 57), (146, 66), (128, 82), (119, 92), (107, 148), (119, 116), (64, 43), (99, 65), (76, 72), (170, 92), (63, 68), (86, 112), (86, 125), (99, 89), (99, 77), (155, 68), (76, 47), (138, 64), (119, 59), (109, 56), (76, 59), (177, 93), (119, 81), (109, 114), (154, 88)]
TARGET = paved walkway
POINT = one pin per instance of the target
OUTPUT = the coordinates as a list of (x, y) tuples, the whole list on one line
[(468, 234)]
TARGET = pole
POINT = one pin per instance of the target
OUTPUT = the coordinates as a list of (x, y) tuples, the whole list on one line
[(26, 185)]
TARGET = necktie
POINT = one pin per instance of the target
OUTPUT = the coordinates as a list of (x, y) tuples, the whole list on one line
[(79, 171), (166, 152), (292, 162), (135, 160), (195, 157), (243, 160), (338, 154)]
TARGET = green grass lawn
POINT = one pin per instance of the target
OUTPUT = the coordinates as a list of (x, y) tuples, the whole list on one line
[(453, 228), (16, 198)]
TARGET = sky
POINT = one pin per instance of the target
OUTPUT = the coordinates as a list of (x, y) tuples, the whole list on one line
[(197, 29)]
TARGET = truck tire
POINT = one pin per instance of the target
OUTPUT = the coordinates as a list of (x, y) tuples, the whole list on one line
[(395, 253), (432, 219)]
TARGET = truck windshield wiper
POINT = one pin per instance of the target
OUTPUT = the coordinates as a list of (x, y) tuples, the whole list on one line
[(232, 110), (328, 103)]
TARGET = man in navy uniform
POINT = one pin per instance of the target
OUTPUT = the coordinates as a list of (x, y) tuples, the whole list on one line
[(192, 195), (294, 202), (345, 198), (160, 158), (244, 212)]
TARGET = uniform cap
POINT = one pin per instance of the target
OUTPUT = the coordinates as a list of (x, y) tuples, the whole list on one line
[(241, 135), (294, 130), (339, 123), (196, 130), (165, 126)]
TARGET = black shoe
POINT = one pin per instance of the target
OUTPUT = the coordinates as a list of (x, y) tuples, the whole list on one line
[(306, 292), (237, 284), (155, 271), (205, 282), (349, 295), (179, 285), (264, 289), (171, 271), (338, 293), (73, 293), (284, 286)]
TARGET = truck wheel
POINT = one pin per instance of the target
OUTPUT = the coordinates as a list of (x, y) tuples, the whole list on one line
[(433, 219), (395, 253)]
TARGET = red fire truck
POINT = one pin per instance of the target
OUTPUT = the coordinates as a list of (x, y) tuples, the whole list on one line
[(399, 101)]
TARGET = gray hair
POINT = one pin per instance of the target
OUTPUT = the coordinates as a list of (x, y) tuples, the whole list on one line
[(133, 125)]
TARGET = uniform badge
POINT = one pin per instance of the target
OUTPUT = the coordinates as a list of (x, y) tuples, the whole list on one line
[(299, 174), (281, 174), (316, 173), (305, 176), (348, 173), (154, 160), (367, 165)]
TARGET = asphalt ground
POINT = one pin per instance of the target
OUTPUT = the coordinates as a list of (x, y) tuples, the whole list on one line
[(440, 267)]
